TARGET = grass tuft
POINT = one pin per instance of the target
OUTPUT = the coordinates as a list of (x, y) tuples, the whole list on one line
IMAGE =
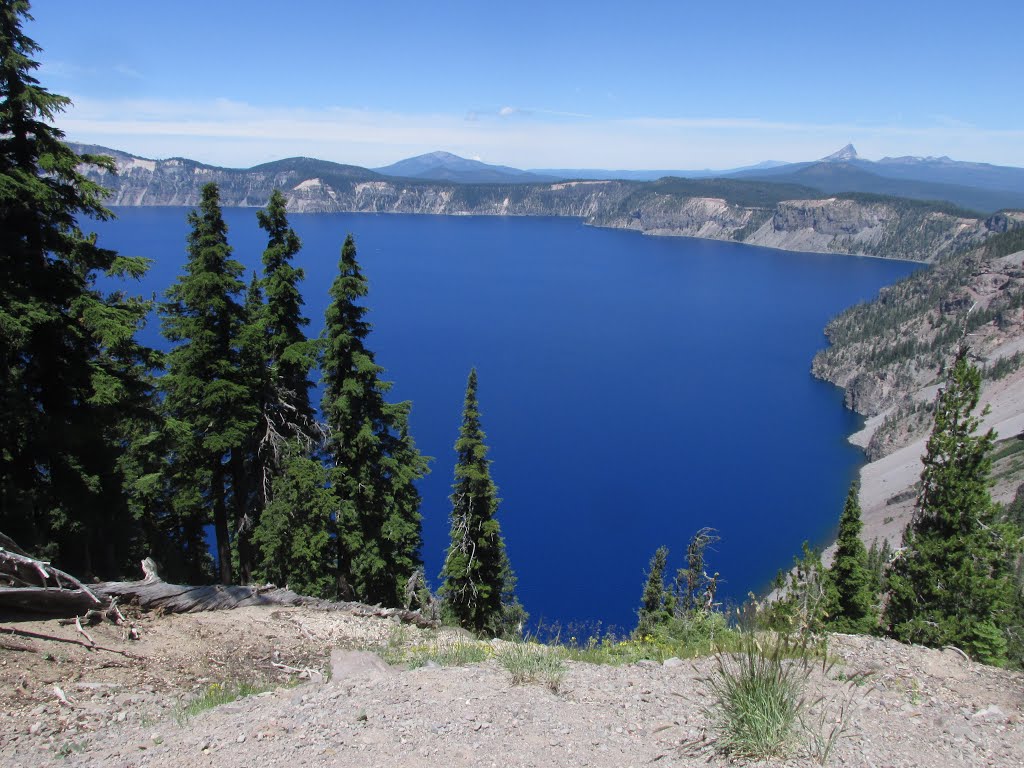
[(759, 697), (532, 663), (216, 694), (404, 648)]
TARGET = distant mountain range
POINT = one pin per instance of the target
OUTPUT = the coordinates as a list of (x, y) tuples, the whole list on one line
[(974, 186), (777, 213), (444, 166)]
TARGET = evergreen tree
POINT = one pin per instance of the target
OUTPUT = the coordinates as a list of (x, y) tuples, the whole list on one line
[(952, 582), (854, 603), (375, 460), (879, 556), (476, 567), (290, 354), (276, 360), (294, 532), (206, 393), (72, 376), (252, 463), (654, 610)]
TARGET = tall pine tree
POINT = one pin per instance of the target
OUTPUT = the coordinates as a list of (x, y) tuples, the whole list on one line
[(290, 354), (476, 567), (206, 393), (281, 358), (853, 598), (368, 442), (952, 582), (72, 376)]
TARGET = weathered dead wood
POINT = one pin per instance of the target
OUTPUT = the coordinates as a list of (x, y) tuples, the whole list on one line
[(34, 586), (31, 586), (6, 645), (69, 641), (45, 601)]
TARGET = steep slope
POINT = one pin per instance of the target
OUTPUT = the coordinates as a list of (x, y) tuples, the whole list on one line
[(889, 356), (776, 215)]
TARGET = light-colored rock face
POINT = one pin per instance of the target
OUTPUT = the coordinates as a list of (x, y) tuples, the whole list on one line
[(891, 371), (834, 225)]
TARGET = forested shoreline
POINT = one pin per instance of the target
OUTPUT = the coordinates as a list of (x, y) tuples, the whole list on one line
[(114, 451)]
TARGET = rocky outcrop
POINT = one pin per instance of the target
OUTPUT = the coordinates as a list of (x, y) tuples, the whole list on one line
[(874, 227), (889, 357)]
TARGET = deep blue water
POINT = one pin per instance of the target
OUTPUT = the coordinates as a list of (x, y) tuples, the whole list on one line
[(633, 388)]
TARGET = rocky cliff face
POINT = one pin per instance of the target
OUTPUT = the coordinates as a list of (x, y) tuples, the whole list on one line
[(885, 228)]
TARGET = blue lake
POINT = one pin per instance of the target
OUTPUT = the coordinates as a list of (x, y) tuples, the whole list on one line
[(633, 389)]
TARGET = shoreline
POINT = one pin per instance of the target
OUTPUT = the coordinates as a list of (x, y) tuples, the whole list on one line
[(887, 495), (584, 219)]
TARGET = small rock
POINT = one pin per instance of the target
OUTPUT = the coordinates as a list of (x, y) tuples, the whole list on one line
[(346, 665), (241, 738), (156, 738), (672, 662), (34, 728), (991, 711)]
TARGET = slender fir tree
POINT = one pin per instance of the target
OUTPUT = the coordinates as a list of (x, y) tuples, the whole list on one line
[(854, 601), (952, 582), (252, 465), (375, 461), (290, 354), (277, 358), (206, 393), (475, 569), (655, 609), (72, 377)]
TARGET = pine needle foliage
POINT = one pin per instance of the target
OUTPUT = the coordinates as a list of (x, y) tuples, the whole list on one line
[(375, 461), (207, 396), (655, 608), (290, 354), (476, 568), (852, 584), (294, 532), (952, 583), (73, 379)]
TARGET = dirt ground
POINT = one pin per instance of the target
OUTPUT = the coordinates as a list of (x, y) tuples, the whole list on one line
[(121, 702)]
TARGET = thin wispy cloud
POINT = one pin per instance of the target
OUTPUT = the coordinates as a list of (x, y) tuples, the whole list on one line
[(230, 132)]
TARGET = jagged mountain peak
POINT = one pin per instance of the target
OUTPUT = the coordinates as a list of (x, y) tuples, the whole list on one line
[(844, 155)]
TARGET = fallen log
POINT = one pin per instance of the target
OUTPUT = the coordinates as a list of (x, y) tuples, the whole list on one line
[(30, 586), (155, 594), (35, 586)]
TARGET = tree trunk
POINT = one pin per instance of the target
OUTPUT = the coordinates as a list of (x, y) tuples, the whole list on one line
[(220, 522), (245, 518)]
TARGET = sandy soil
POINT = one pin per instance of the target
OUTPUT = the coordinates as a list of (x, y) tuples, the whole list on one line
[(906, 706)]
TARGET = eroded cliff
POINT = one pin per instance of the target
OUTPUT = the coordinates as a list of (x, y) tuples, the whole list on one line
[(746, 212)]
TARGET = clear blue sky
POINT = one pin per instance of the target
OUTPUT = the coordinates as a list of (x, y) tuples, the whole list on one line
[(539, 84)]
